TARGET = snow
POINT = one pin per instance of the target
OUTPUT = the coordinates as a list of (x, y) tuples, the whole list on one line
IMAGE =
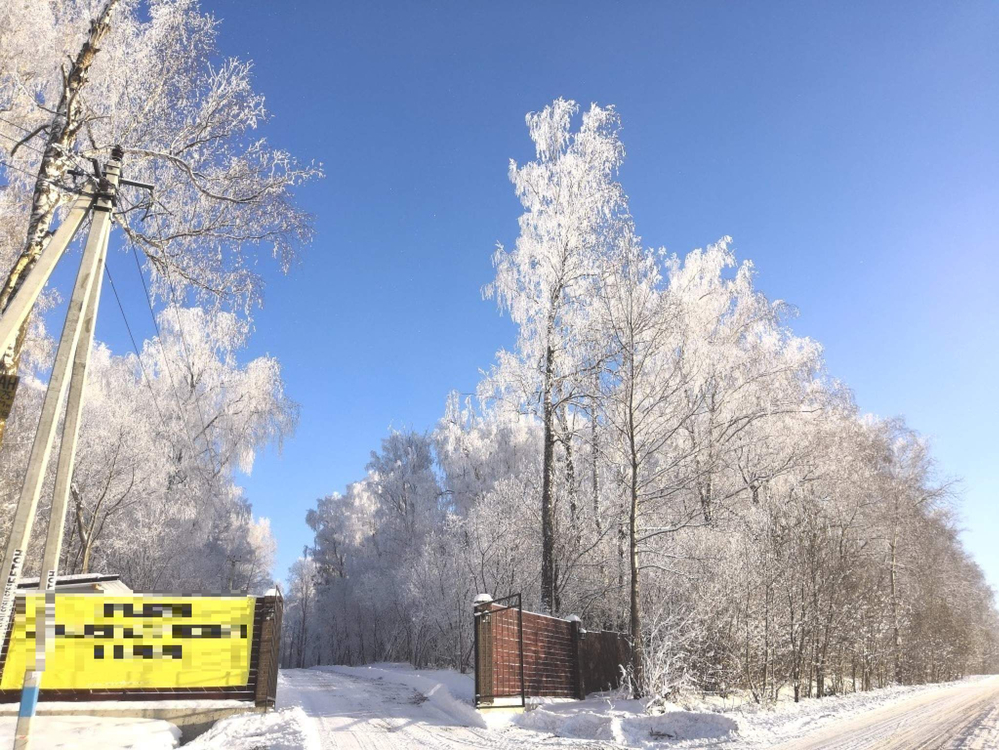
[(961, 714), (81, 706), (94, 733), (379, 710), (762, 726), (986, 734), (283, 729), (701, 724), (395, 707), (451, 692), (625, 722)]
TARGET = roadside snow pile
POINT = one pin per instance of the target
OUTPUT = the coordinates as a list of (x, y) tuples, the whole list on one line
[(625, 722), (94, 733), (283, 729), (434, 684)]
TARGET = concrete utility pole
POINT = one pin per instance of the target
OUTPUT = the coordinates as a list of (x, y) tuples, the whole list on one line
[(73, 353), (22, 303), (10, 324), (71, 426)]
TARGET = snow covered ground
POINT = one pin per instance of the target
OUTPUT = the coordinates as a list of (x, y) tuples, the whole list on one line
[(968, 711), (962, 715), (94, 733), (394, 707), (767, 726), (283, 729), (624, 722), (382, 710), (450, 692)]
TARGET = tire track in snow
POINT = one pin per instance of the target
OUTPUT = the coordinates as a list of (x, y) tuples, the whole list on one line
[(959, 717)]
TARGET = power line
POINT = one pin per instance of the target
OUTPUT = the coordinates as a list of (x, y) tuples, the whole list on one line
[(159, 341), (14, 124), (166, 360), (18, 143), (64, 188), (23, 143), (135, 348)]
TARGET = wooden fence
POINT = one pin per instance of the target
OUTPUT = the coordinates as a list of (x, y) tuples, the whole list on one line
[(519, 655)]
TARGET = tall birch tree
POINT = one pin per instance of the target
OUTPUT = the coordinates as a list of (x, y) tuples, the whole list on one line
[(573, 208)]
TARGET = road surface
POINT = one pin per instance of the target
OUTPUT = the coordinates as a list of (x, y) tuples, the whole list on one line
[(351, 713), (962, 716)]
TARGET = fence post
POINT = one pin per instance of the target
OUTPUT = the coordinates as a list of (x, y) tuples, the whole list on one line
[(577, 655), (269, 654)]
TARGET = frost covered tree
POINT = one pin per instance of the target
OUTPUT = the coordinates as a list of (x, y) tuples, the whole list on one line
[(154, 494), (365, 541), (299, 606), (641, 405), (82, 76), (746, 525), (573, 209)]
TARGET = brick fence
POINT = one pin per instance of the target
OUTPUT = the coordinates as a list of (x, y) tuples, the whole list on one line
[(520, 655)]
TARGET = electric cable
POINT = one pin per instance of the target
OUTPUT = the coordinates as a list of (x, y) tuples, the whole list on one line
[(135, 348), (166, 360)]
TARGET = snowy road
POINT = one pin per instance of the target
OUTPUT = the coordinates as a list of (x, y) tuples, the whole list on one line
[(963, 716), (350, 713)]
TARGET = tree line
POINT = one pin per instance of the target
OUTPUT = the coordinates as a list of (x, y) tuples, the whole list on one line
[(659, 454)]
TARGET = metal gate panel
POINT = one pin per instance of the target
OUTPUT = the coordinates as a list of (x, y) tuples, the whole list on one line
[(499, 653)]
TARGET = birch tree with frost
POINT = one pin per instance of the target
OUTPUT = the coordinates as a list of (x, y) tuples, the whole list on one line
[(573, 208), (82, 76), (163, 437)]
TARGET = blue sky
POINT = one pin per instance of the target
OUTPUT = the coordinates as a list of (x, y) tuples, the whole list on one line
[(851, 150)]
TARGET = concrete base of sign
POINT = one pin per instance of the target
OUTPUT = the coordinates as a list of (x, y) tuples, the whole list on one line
[(191, 717)]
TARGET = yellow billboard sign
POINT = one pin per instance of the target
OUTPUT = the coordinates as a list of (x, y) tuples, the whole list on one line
[(136, 641)]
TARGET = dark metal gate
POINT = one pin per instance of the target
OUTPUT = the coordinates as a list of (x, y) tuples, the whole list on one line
[(499, 653)]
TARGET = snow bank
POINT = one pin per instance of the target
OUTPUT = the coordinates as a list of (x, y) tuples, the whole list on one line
[(283, 729), (625, 722), (94, 733), (435, 684)]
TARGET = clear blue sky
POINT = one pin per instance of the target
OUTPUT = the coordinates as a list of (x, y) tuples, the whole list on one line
[(851, 149)]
